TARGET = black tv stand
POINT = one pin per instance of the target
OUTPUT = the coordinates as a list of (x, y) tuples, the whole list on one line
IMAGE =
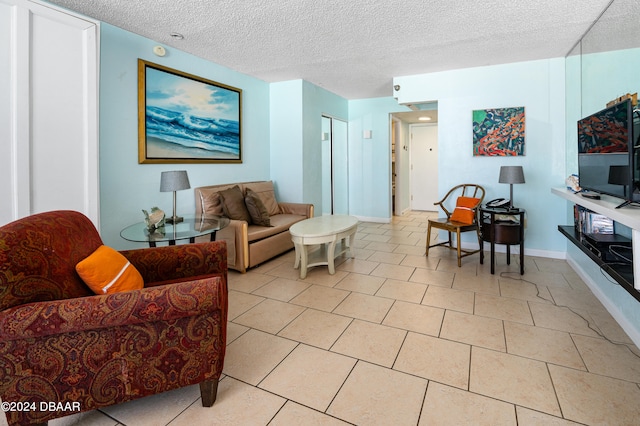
[(626, 203)]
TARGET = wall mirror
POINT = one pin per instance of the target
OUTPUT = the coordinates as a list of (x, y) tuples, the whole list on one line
[(610, 57), (604, 65)]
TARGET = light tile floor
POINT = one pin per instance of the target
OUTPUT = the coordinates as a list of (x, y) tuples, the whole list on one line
[(396, 338)]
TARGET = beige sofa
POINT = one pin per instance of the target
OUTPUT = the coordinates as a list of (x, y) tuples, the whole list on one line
[(249, 244)]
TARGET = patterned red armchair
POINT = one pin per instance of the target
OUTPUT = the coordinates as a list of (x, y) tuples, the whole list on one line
[(64, 349)]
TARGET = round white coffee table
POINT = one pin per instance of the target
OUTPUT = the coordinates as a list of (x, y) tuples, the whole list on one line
[(330, 230)]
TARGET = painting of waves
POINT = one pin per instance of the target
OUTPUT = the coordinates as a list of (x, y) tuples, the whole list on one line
[(188, 119)]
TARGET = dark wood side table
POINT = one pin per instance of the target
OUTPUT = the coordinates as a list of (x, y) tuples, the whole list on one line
[(502, 226)]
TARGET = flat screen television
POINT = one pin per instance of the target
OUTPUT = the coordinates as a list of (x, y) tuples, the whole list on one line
[(608, 160)]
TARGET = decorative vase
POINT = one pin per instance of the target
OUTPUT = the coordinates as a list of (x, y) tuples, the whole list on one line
[(155, 219)]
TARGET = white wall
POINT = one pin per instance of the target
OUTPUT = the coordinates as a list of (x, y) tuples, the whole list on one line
[(538, 86)]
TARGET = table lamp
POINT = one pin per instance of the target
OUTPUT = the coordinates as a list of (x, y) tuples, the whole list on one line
[(511, 175), (174, 181)]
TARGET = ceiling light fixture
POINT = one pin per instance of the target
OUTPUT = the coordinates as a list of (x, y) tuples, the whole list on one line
[(424, 118), (177, 36)]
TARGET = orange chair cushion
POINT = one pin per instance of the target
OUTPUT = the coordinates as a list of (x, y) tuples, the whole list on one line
[(463, 212), (107, 271)]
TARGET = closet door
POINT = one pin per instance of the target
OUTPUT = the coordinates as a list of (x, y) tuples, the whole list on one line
[(340, 167), (335, 176), (51, 88)]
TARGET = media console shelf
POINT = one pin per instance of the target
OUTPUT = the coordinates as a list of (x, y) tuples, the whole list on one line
[(628, 277), (623, 274)]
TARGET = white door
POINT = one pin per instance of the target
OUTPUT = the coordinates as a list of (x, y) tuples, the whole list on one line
[(49, 92), (424, 166)]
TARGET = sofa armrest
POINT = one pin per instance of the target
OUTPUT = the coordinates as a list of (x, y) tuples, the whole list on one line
[(161, 303), (239, 230), (305, 210), (172, 263)]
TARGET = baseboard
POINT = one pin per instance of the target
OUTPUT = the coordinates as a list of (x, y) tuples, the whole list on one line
[(373, 219), (501, 248), (621, 319)]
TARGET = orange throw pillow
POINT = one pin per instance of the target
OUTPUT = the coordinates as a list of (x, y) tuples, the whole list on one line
[(463, 212), (106, 271)]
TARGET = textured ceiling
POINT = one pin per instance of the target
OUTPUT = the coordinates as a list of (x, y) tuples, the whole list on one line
[(353, 48)]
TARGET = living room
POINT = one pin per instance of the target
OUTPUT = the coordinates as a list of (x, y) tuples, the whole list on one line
[(547, 88), (281, 124)]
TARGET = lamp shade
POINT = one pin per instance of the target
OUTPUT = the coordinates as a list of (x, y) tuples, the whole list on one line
[(511, 174), (174, 181)]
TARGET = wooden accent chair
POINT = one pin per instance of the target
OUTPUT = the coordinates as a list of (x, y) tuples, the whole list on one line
[(61, 343), (448, 205)]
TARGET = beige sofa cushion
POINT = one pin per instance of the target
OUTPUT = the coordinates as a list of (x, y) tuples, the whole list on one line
[(209, 202), (267, 194), (256, 208), (279, 223), (233, 204)]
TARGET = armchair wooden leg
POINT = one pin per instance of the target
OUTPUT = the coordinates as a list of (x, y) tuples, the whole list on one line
[(428, 238), (208, 392), (458, 249)]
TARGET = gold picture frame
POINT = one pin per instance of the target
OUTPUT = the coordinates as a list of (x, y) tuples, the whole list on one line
[(183, 118)]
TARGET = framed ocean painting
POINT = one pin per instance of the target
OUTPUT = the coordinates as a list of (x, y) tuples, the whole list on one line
[(498, 132), (183, 118)]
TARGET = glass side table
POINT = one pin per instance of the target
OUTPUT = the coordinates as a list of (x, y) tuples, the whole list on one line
[(188, 229)]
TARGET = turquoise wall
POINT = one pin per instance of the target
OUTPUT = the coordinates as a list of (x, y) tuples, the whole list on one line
[(370, 159), (316, 102), (539, 86), (608, 75), (286, 134), (403, 169), (127, 187), (296, 109)]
